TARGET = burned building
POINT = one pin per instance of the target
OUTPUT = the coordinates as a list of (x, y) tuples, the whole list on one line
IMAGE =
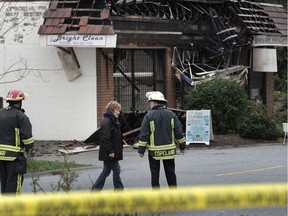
[(169, 46)]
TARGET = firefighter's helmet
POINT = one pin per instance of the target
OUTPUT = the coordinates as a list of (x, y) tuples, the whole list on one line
[(155, 96), (15, 95)]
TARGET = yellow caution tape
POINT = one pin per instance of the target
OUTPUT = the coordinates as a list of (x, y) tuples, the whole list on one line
[(146, 200)]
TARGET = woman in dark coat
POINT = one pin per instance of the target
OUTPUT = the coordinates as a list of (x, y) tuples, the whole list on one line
[(111, 147)]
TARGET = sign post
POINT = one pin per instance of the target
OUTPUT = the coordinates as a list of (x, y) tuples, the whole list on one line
[(199, 126)]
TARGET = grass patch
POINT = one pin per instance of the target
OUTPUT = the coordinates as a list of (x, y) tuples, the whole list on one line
[(42, 165)]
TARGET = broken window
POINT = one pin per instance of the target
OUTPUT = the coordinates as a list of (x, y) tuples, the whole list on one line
[(136, 72)]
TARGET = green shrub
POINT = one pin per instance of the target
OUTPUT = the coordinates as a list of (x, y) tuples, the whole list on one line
[(257, 125), (280, 107), (226, 99)]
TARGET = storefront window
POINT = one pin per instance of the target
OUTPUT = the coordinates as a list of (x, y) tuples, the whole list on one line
[(137, 72)]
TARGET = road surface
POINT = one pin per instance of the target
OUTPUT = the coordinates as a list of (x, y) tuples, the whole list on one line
[(266, 163)]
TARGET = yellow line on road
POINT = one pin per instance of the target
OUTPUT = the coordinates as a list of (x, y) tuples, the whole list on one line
[(249, 171)]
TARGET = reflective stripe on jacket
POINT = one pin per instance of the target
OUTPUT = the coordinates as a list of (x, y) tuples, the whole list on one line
[(15, 133), (160, 129)]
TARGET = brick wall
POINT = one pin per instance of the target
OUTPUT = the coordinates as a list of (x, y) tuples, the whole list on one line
[(169, 81), (269, 93), (105, 85)]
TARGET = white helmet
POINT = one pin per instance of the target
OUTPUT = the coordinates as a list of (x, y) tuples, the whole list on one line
[(155, 96)]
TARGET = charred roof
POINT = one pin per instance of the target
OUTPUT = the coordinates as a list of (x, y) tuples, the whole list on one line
[(104, 17)]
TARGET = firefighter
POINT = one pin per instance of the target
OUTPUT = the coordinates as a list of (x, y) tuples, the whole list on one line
[(160, 131), (15, 139)]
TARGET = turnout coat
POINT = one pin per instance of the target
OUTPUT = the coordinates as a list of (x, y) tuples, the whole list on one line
[(160, 130)]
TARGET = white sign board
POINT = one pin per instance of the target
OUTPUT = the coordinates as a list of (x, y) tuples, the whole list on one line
[(199, 126), (264, 60), (269, 40), (104, 41)]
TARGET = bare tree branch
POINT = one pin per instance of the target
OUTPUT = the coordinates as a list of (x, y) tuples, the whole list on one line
[(9, 20), (22, 70)]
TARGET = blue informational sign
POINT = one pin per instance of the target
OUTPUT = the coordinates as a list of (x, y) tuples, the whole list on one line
[(199, 126)]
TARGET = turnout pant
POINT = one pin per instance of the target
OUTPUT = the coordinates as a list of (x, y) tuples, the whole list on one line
[(169, 168), (11, 182)]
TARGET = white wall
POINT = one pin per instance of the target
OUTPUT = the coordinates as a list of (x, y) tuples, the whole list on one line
[(58, 109)]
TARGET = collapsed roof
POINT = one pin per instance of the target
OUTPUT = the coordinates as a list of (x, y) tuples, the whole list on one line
[(86, 17), (202, 33), (200, 30)]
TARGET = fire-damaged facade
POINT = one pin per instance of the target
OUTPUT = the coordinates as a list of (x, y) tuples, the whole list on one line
[(169, 46)]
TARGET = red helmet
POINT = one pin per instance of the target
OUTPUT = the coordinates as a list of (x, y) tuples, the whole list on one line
[(15, 95)]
